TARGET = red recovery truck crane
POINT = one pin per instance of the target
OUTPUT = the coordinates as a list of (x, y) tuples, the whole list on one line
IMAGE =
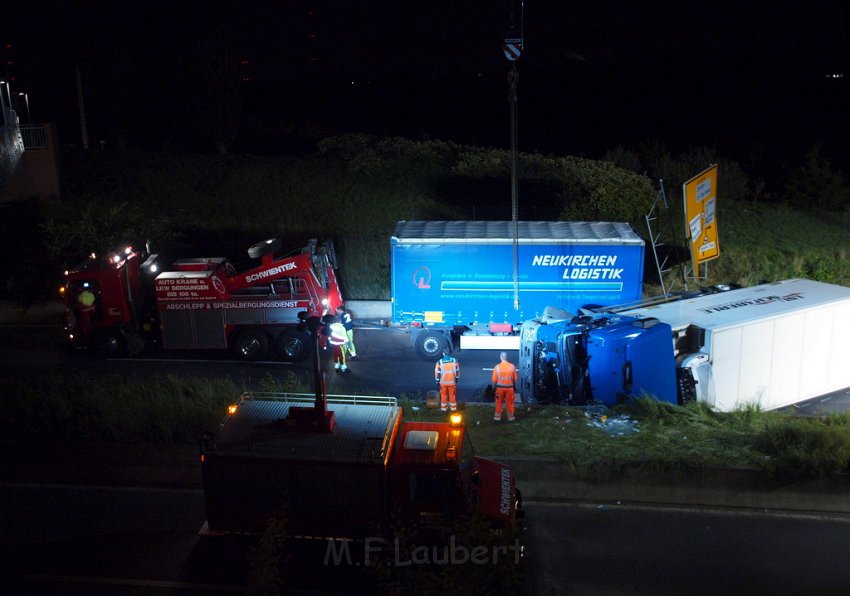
[(345, 468), (124, 301)]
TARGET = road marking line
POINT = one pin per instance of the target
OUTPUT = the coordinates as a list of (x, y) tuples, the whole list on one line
[(136, 583), (706, 509), (825, 399), (264, 362)]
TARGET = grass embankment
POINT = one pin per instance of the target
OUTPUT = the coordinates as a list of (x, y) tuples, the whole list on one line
[(657, 436), (761, 242), (355, 189), (165, 409), (159, 408)]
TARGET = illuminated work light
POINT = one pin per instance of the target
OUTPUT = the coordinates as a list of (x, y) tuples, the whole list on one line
[(456, 418)]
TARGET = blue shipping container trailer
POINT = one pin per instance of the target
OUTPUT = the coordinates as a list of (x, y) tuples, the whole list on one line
[(453, 281)]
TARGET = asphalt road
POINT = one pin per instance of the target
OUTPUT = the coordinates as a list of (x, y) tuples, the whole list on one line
[(95, 540), (386, 363), (602, 549)]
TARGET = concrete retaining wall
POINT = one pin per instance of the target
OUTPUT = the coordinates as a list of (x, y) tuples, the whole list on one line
[(370, 309), (546, 480)]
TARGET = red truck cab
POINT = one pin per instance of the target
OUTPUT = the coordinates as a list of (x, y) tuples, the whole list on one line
[(436, 474)]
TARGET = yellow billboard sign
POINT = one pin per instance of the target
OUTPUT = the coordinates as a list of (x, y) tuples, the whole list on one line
[(700, 194)]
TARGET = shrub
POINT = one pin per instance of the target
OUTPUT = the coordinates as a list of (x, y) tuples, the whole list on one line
[(798, 448), (816, 184)]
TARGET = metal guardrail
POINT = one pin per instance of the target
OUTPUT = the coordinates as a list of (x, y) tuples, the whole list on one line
[(371, 400), (35, 137)]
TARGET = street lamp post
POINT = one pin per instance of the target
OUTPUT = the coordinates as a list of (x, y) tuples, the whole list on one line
[(27, 103), (3, 102)]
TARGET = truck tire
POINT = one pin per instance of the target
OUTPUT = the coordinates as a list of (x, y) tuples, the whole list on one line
[(293, 346), (107, 343), (261, 249), (250, 345), (430, 344)]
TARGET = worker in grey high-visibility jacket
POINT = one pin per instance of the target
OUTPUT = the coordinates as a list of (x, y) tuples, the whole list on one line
[(446, 373), (504, 380)]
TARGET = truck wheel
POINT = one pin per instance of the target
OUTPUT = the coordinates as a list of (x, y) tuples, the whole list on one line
[(107, 343), (293, 346), (250, 345), (430, 344)]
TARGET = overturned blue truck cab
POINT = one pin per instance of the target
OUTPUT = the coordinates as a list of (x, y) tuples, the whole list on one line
[(630, 356)]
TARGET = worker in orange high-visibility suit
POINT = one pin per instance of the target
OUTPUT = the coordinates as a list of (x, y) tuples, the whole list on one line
[(504, 378), (446, 373)]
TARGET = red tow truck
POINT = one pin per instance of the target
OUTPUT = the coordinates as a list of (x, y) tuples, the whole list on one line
[(346, 468), (128, 299)]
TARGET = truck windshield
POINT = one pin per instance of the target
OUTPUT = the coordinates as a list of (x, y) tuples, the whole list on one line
[(432, 487), (572, 370), (292, 288)]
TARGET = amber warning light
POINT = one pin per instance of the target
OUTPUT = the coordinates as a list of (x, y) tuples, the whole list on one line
[(232, 409)]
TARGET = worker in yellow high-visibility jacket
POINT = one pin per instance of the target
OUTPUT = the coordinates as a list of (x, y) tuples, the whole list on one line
[(85, 311), (338, 338), (446, 373), (504, 379)]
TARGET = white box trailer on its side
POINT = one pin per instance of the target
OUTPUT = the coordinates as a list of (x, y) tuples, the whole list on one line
[(770, 345)]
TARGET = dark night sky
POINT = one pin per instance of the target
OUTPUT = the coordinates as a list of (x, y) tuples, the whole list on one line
[(594, 74)]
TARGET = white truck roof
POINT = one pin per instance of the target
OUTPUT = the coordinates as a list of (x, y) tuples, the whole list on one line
[(529, 232), (736, 307)]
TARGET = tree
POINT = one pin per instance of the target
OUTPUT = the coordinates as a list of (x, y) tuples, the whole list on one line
[(816, 184), (207, 74)]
